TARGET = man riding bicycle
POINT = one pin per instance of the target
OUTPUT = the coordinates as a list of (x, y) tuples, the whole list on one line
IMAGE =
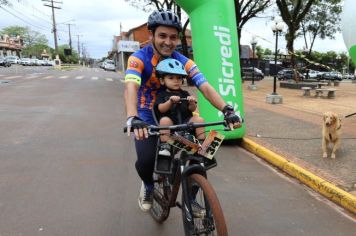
[(142, 87)]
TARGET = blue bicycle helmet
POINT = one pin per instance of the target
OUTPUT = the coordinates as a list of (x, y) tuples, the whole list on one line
[(163, 17), (170, 66)]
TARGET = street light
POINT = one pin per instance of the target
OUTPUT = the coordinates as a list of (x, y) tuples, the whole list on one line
[(253, 42), (338, 60), (277, 29)]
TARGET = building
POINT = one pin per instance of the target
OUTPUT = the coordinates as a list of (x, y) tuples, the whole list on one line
[(128, 42), (10, 46)]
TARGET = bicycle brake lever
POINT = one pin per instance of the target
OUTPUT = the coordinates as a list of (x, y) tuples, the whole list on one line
[(151, 133)]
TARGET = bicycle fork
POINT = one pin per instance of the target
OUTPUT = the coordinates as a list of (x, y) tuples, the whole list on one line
[(186, 191)]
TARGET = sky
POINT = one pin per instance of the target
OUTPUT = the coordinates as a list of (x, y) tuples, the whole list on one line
[(97, 21)]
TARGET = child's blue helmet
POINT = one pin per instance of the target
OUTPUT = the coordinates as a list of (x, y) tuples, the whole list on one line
[(170, 66)]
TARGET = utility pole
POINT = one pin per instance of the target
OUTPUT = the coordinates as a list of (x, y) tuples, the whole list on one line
[(79, 35), (54, 21), (70, 37)]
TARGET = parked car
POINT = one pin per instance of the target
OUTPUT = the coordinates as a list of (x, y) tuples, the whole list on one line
[(313, 74), (288, 74), (12, 59), (34, 62), (333, 75), (25, 61), (109, 65), (348, 76), (3, 62), (249, 72)]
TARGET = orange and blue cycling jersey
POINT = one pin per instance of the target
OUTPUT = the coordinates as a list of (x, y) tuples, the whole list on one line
[(141, 70)]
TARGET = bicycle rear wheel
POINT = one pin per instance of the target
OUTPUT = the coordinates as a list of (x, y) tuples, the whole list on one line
[(207, 217), (161, 194)]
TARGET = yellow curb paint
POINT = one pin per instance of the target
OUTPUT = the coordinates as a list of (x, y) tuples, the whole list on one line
[(335, 194), (269, 156)]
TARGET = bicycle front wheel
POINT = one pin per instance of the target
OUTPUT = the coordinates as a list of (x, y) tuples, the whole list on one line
[(161, 194), (207, 217)]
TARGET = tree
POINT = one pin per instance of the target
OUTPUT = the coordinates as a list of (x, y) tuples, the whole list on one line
[(36, 50), (29, 37), (267, 51), (259, 52), (74, 58), (247, 9), (293, 12), (321, 21)]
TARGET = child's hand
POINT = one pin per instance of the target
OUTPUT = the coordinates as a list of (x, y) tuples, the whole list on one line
[(174, 99), (192, 100)]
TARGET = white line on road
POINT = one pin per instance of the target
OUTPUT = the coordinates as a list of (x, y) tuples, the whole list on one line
[(94, 78), (109, 79), (122, 81), (48, 77), (79, 77), (64, 77), (31, 77), (13, 77)]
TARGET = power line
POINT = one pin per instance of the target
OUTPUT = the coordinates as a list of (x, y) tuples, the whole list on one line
[(2, 7), (26, 4), (20, 5), (21, 13)]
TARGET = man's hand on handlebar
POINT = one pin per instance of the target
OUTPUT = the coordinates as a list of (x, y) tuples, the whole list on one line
[(232, 119), (139, 127)]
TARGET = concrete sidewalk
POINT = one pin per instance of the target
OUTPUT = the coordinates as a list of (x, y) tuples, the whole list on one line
[(293, 129)]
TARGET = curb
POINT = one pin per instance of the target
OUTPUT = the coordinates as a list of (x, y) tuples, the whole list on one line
[(324, 187)]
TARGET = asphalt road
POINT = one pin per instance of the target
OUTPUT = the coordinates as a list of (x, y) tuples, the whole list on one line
[(66, 168)]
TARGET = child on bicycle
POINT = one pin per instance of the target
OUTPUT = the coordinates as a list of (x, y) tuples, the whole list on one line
[(171, 74)]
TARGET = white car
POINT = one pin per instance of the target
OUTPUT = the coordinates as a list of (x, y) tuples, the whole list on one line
[(12, 59), (313, 74), (109, 65), (25, 61)]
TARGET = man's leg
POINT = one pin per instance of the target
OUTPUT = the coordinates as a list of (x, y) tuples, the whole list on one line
[(146, 152)]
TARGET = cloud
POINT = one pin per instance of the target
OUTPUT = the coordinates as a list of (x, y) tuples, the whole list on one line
[(96, 20), (99, 20)]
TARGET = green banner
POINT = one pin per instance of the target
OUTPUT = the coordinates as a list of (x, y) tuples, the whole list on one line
[(352, 52), (215, 47), (348, 25)]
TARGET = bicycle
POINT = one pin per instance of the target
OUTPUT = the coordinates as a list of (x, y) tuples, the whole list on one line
[(201, 210)]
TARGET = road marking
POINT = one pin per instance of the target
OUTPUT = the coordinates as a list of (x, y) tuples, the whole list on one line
[(2, 75), (64, 77), (109, 79), (94, 78), (13, 77), (48, 77), (79, 77), (32, 77), (122, 81)]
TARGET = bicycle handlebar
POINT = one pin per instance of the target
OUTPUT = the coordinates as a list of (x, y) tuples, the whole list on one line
[(180, 127)]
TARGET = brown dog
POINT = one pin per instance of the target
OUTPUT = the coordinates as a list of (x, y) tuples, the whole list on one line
[(331, 133)]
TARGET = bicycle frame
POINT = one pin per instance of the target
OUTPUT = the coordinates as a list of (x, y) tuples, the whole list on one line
[(180, 176)]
